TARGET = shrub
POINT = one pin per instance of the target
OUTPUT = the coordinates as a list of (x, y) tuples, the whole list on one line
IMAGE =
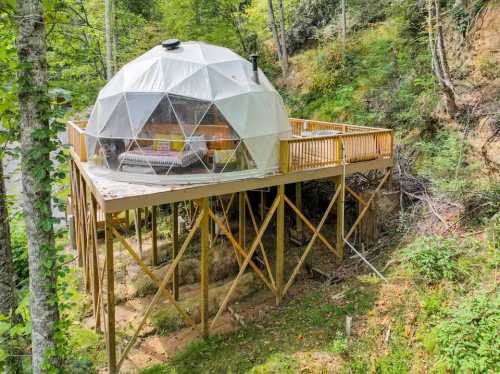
[(468, 341), (19, 244), (434, 258)]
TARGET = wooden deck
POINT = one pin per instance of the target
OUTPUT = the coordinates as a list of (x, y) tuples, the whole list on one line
[(315, 150), (302, 158)]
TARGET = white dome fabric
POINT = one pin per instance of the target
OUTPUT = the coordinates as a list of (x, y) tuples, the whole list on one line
[(195, 94)]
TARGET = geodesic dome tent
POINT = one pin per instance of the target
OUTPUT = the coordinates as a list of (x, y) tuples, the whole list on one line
[(187, 112)]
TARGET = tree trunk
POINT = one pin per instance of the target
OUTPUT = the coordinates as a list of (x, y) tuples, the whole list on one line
[(7, 276), (115, 37), (438, 57), (109, 41), (274, 29), (344, 20), (36, 168), (284, 53)]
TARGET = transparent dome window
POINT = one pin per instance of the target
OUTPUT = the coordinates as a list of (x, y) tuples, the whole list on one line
[(193, 111), (181, 136)]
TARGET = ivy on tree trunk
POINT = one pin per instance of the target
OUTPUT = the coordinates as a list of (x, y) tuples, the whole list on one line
[(36, 168)]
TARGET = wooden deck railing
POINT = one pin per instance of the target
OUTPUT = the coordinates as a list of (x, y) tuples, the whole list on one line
[(306, 151), (300, 152), (301, 125), (76, 138)]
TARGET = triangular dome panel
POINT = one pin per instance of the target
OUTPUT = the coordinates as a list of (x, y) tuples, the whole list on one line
[(140, 107), (223, 86), (189, 112), (215, 127), (162, 124), (118, 123), (196, 85), (235, 109)]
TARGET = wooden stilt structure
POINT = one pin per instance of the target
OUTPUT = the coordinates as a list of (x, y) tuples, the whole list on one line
[(97, 203)]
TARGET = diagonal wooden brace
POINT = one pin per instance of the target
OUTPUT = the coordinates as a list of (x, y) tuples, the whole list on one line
[(238, 248), (153, 277), (248, 257), (367, 205), (355, 194), (310, 225), (158, 293), (262, 249), (225, 211), (312, 241)]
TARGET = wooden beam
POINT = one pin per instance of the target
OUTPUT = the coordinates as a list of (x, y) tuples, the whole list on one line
[(181, 193), (175, 248), (312, 241), (95, 260), (204, 266), (298, 204), (356, 195), (247, 260), (154, 235), (159, 292), (280, 243), (242, 253), (261, 245), (138, 233), (310, 225), (365, 209), (262, 204), (339, 224), (110, 295), (153, 277), (241, 219)]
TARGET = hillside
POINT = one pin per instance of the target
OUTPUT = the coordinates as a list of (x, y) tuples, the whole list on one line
[(436, 224), (438, 312)]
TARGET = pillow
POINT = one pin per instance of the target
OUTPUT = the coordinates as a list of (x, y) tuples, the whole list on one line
[(176, 141)]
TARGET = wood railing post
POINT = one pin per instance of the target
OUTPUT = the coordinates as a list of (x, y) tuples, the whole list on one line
[(338, 160), (284, 156)]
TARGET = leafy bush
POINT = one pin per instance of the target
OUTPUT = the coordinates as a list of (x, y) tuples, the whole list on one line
[(434, 258), (442, 160), (468, 341), (19, 244)]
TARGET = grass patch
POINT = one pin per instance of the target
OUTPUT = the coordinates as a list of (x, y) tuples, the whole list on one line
[(434, 258), (308, 323)]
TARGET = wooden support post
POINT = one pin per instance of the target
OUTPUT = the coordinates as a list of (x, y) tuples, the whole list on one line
[(95, 261), (204, 267), (110, 280), (154, 235), (175, 248), (339, 182), (138, 233), (298, 204), (241, 219), (241, 225), (262, 205), (76, 204), (280, 243)]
